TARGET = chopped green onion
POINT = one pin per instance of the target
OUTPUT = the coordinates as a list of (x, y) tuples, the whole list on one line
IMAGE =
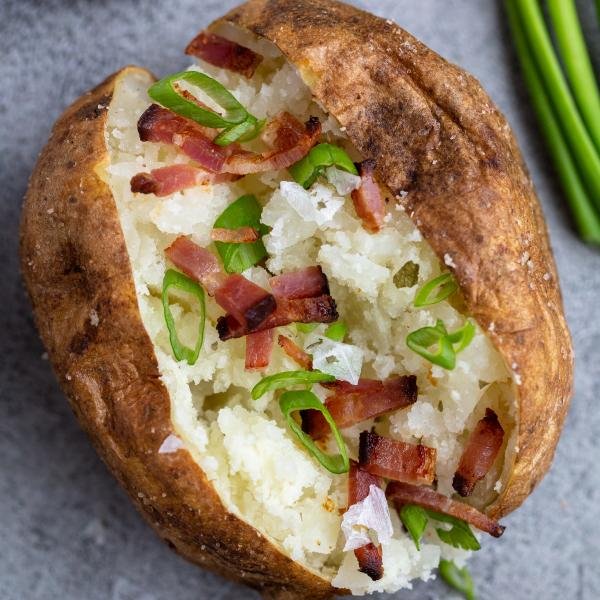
[(407, 276), (306, 171), (244, 212), (421, 340), (243, 132), (463, 336), (287, 379), (585, 154), (445, 285), (337, 331), (586, 219), (577, 63), (459, 579), (291, 402), (414, 518), (459, 536), (306, 327), (164, 93), (180, 281)]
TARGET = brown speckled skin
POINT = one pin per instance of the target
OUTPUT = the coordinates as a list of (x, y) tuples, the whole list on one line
[(434, 133)]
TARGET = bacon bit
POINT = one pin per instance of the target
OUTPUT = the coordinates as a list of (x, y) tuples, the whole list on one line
[(405, 493), (369, 557), (304, 283), (197, 263), (368, 200), (289, 147), (224, 53), (295, 352), (258, 349), (396, 460), (321, 309), (248, 303), (158, 124), (351, 404), (174, 178), (370, 561), (241, 235), (479, 454)]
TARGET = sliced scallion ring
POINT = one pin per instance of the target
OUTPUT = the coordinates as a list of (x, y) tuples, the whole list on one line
[(463, 336), (287, 379), (421, 340), (306, 171), (445, 285), (306, 327), (242, 132), (291, 402), (180, 281), (337, 331), (164, 93)]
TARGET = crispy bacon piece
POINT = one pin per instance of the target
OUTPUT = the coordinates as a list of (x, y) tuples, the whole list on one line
[(368, 200), (241, 235), (258, 349), (248, 303), (291, 143), (351, 404), (158, 124), (295, 352), (370, 561), (396, 460), (174, 178), (304, 283), (369, 557), (404, 493), (480, 453), (321, 309), (197, 263), (224, 53)]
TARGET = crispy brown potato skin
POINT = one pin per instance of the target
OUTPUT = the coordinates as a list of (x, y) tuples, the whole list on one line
[(401, 104)]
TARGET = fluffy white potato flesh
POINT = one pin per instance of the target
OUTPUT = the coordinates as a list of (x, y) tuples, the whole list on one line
[(261, 472)]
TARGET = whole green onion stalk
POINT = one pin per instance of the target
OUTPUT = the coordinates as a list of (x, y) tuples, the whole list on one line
[(586, 218)]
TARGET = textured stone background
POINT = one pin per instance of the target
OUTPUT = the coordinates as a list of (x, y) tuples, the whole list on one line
[(67, 530)]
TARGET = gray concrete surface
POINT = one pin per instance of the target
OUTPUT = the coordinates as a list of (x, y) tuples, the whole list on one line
[(66, 530)]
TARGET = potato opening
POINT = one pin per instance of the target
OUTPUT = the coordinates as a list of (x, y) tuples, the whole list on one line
[(244, 446)]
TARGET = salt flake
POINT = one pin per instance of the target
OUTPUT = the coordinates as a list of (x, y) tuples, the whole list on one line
[(170, 444)]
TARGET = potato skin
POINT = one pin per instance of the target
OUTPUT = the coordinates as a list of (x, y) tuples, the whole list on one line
[(400, 103), (437, 135), (74, 261)]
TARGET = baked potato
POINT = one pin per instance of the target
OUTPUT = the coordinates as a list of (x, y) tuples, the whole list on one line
[(381, 202)]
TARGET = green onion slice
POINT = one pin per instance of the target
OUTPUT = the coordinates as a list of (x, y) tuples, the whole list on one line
[(337, 331), (287, 379), (243, 132), (448, 344), (291, 402), (445, 285), (459, 579), (459, 536), (182, 282), (421, 340), (306, 327), (306, 171), (244, 212), (414, 518)]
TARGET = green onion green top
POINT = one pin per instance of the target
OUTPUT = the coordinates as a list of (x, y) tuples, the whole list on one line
[(244, 212), (337, 331), (448, 344), (287, 379), (306, 170), (291, 402), (180, 281), (445, 285), (306, 327), (459, 579), (237, 123)]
